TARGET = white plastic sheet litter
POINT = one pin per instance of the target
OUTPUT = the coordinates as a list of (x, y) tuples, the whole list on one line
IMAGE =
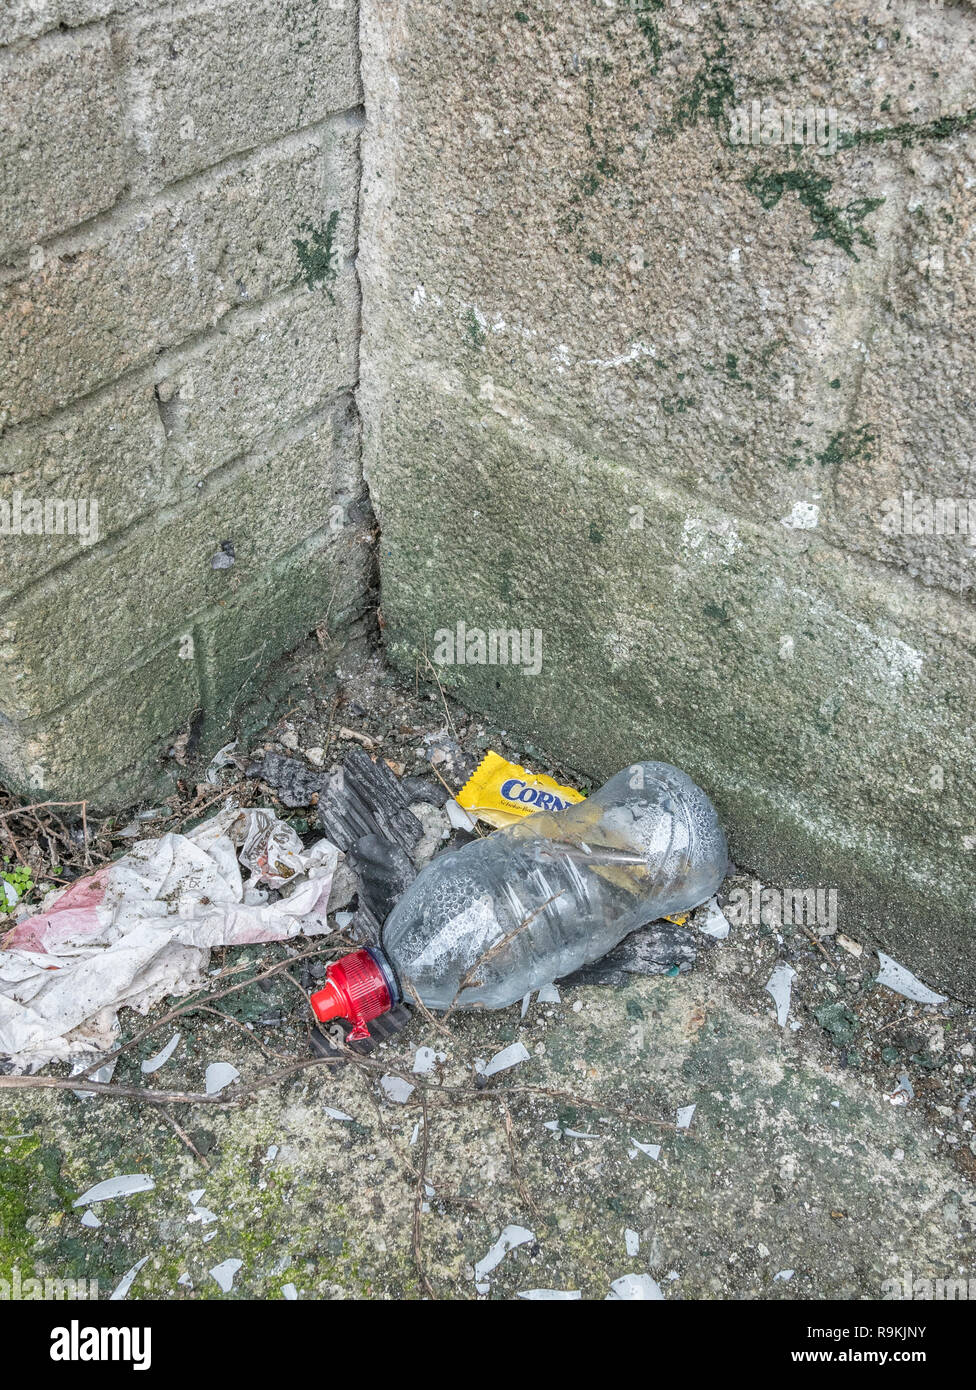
[(143, 927)]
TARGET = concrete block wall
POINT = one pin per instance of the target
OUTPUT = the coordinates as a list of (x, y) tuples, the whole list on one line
[(650, 391), (179, 325)]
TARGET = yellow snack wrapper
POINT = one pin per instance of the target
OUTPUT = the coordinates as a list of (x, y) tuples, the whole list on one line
[(502, 793)]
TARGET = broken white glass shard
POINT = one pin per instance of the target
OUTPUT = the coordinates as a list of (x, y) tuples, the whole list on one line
[(511, 1237), (458, 816), (90, 1219), (220, 1075), (508, 1057), (780, 988), (652, 1150), (784, 1276), (161, 1058), (127, 1280), (334, 1114), (685, 1116), (549, 994), (425, 1060), (902, 981), (203, 1215), (396, 1089), (224, 1273), (289, 1293), (103, 1075), (123, 1186), (716, 923), (526, 1001), (194, 1196), (636, 1287), (903, 1092), (631, 1242)]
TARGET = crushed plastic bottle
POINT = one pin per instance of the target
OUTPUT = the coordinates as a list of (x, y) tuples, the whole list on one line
[(484, 925)]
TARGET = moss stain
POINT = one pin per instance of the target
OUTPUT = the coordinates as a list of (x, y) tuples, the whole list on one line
[(644, 11), (475, 332), (711, 88), (841, 225), (318, 256)]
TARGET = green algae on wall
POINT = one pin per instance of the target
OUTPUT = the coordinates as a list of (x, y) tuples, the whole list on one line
[(841, 225), (318, 256)]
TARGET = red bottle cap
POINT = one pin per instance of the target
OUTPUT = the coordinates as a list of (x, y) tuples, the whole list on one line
[(355, 988)]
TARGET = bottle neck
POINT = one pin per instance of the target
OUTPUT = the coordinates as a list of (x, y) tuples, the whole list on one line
[(358, 987)]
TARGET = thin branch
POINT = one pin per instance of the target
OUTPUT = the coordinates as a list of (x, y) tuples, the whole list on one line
[(422, 1008), (418, 1204), (194, 1005), (516, 1170), (185, 1137), (447, 713), (468, 980)]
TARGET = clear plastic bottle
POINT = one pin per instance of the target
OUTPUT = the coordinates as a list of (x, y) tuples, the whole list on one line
[(484, 925)]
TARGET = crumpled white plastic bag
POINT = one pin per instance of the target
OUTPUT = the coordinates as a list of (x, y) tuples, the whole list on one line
[(143, 927)]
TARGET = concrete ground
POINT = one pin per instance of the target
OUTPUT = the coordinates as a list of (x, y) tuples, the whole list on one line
[(796, 1176)]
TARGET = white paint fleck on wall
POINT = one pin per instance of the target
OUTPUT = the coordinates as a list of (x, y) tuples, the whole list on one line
[(804, 517)]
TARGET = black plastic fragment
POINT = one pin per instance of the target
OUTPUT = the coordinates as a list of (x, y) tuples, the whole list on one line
[(293, 781), (326, 1041), (384, 872), (364, 798), (423, 789), (652, 950)]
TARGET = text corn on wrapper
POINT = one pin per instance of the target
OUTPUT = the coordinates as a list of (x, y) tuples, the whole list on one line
[(502, 793)]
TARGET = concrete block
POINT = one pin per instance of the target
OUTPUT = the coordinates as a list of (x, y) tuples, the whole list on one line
[(105, 460), (266, 369), (207, 82), (62, 137), (115, 736), (26, 19), (321, 581)]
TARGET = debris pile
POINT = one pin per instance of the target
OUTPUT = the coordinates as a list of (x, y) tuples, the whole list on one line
[(143, 927)]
